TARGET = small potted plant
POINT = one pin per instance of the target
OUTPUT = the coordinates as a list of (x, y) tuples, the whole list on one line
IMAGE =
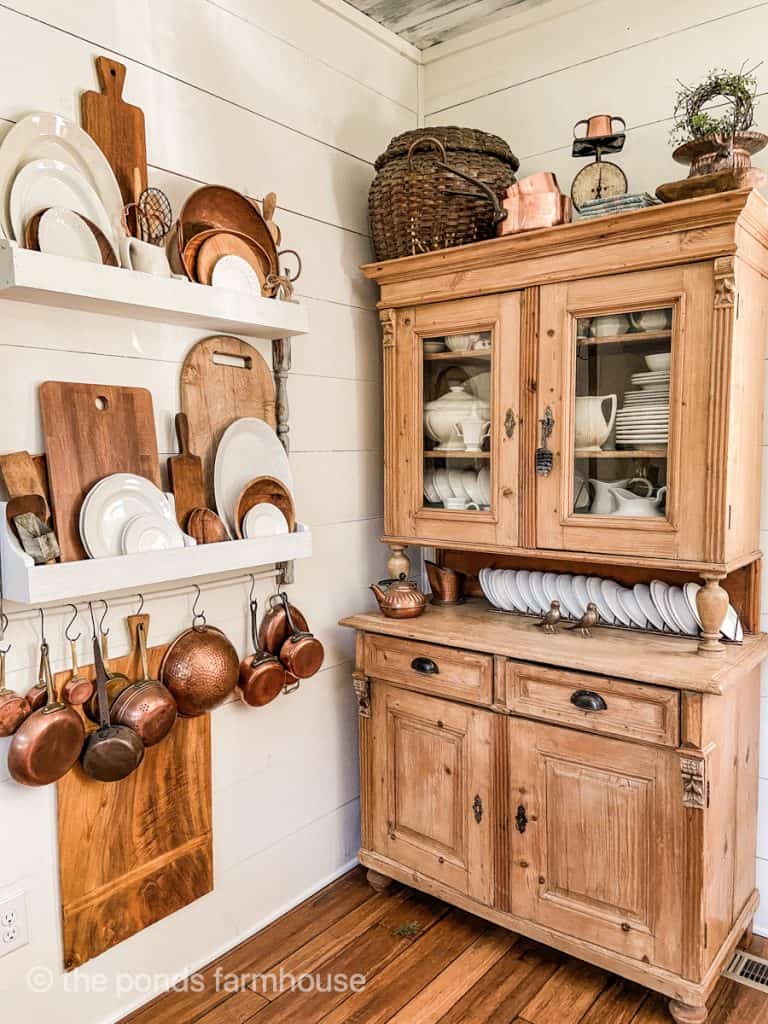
[(713, 122)]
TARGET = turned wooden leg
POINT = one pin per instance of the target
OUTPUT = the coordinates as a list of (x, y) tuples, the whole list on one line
[(398, 562), (712, 604), (379, 883), (683, 1013)]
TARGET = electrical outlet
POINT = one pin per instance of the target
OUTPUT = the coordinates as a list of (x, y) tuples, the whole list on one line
[(13, 923)]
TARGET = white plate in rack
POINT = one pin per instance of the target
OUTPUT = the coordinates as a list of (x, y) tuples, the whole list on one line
[(112, 503), (568, 600), (628, 601), (579, 588), (522, 580), (612, 593), (595, 591), (659, 597), (248, 448), (43, 184), (643, 597), (536, 585)]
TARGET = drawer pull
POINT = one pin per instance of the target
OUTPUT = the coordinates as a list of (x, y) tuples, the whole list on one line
[(426, 666), (521, 819), (587, 700)]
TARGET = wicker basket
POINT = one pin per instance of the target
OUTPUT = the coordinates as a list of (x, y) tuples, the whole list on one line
[(417, 203)]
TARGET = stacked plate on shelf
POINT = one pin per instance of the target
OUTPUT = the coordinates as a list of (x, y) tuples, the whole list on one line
[(618, 204), (643, 420), (471, 486), (125, 514), (657, 606)]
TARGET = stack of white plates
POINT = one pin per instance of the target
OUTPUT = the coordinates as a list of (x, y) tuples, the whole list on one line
[(469, 485), (250, 448), (643, 420), (124, 514), (658, 606)]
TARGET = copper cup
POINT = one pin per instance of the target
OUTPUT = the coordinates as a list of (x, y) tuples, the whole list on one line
[(598, 126)]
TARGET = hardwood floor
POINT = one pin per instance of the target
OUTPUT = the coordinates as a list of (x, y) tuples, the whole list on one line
[(423, 962)]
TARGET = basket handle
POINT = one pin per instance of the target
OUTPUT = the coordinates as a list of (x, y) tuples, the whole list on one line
[(420, 142)]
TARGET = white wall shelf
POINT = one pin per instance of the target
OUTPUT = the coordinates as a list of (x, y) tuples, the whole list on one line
[(35, 277), (27, 583)]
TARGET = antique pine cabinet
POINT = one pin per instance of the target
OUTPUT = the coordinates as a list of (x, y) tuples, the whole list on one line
[(599, 793)]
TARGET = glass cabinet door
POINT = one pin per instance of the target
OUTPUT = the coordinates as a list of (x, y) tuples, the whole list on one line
[(621, 397)]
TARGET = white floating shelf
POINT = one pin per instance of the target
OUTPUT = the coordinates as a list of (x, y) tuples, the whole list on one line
[(27, 583), (44, 280)]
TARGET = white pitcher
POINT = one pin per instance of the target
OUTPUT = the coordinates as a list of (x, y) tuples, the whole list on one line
[(592, 426), (603, 503), (628, 503)]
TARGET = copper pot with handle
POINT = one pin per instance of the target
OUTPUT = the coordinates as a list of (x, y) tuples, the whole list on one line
[(301, 652), (47, 743), (200, 668), (112, 751), (13, 707), (262, 675), (146, 706)]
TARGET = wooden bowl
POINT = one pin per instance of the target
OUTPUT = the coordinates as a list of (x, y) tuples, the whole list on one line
[(205, 526), (265, 490), (215, 206)]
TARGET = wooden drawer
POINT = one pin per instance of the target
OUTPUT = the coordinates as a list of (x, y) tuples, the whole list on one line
[(650, 714), (428, 668)]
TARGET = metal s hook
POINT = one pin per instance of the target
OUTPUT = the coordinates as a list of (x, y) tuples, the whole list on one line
[(104, 632), (253, 587), (43, 641), (198, 617), (140, 609), (70, 624)]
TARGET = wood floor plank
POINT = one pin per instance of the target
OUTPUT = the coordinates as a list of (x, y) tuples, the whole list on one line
[(617, 1004), (508, 986), (401, 980), (230, 1012), (279, 939), (653, 1010), (567, 996), (364, 956), (450, 985)]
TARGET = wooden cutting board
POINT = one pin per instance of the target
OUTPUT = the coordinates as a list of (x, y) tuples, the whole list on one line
[(92, 431), (134, 851), (223, 379), (21, 476), (185, 473), (117, 128)]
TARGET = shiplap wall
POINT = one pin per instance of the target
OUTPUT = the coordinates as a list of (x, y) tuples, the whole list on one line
[(257, 96), (566, 60)]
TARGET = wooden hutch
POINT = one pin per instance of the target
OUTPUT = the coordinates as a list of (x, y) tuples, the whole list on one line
[(623, 834)]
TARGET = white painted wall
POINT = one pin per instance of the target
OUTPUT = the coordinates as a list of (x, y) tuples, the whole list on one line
[(538, 73), (259, 96)]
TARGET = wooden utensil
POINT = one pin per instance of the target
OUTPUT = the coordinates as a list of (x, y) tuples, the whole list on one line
[(32, 239), (206, 527), (274, 629), (21, 477), (268, 208), (262, 675), (92, 431), (223, 379), (47, 743), (185, 473), (229, 243), (265, 490), (28, 504), (117, 128), (112, 751)]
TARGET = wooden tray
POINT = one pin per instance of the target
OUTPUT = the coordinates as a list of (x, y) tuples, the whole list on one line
[(135, 851), (92, 431)]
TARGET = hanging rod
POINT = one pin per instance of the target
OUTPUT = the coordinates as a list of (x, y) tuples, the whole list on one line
[(187, 589)]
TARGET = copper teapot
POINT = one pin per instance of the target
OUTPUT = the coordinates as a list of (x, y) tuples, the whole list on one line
[(400, 598)]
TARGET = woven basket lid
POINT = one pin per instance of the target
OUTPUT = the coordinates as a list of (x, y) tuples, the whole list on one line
[(454, 139)]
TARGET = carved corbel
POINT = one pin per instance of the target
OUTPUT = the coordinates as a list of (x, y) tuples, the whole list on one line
[(725, 283), (388, 319), (693, 774), (362, 685)]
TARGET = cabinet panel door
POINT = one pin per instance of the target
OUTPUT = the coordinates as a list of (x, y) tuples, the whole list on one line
[(624, 368), (596, 847), (430, 787), (452, 404)]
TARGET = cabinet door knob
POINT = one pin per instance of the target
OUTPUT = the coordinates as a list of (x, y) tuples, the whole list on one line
[(509, 423), (521, 819), (426, 666), (587, 700)]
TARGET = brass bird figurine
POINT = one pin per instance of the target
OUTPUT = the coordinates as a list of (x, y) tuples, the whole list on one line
[(551, 619), (590, 618)]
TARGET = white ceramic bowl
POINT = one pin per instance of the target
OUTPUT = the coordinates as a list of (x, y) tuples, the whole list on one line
[(462, 342), (659, 361)]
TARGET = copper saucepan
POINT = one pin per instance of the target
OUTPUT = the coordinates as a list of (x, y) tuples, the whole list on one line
[(301, 652), (47, 743), (200, 668), (112, 751), (13, 707), (145, 706), (262, 675)]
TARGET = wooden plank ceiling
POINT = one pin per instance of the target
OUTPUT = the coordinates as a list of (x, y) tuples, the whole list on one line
[(427, 22)]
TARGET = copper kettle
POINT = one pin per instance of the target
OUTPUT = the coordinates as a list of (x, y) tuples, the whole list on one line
[(400, 598)]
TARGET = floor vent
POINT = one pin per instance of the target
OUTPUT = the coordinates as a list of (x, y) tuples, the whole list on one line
[(748, 970)]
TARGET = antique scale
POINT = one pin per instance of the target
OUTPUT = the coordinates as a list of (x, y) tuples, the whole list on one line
[(600, 179)]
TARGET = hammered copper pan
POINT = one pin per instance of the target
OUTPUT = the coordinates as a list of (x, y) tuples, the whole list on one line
[(112, 751), (146, 706), (262, 675), (201, 669), (47, 743)]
